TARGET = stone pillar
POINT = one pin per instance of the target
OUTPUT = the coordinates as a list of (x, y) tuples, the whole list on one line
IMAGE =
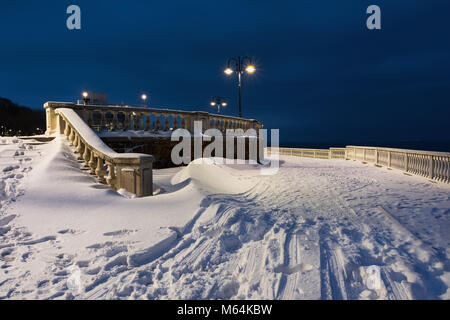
[(175, 122), (92, 164), (51, 121), (431, 167), (187, 121), (406, 162), (157, 122), (67, 130), (166, 122), (75, 140), (71, 136), (103, 121), (199, 116), (126, 124), (147, 121), (100, 170), (135, 175), (111, 178), (115, 121), (86, 154)]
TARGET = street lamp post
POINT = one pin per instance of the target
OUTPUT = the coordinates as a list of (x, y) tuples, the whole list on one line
[(85, 97), (144, 99), (219, 102), (239, 65)]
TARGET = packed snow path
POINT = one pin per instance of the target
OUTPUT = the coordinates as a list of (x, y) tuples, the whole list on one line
[(308, 232)]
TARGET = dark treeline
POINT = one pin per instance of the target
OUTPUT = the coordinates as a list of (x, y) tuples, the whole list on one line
[(17, 120)]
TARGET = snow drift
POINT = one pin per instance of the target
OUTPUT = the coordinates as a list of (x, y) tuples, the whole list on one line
[(218, 231)]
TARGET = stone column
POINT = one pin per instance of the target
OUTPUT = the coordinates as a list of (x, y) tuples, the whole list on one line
[(158, 122), (115, 121), (166, 122), (111, 178), (175, 122), (199, 116), (147, 121), (92, 163), (100, 170), (86, 154), (67, 130)]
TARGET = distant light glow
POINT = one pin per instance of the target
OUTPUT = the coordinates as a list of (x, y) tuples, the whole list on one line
[(144, 97), (228, 71), (213, 103), (85, 94), (224, 104)]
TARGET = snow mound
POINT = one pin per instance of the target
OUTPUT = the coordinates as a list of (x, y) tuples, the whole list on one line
[(212, 175)]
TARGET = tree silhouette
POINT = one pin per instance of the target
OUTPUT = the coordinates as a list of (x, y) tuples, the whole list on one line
[(16, 120)]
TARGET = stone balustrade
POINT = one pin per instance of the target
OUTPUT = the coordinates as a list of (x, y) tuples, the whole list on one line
[(432, 165), (332, 153), (110, 118), (129, 171)]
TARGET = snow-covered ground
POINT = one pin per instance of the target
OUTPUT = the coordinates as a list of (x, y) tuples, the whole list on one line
[(219, 231)]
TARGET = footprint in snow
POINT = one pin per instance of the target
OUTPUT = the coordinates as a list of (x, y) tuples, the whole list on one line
[(118, 233)]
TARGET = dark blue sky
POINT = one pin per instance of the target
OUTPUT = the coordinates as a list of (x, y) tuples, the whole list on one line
[(321, 74)]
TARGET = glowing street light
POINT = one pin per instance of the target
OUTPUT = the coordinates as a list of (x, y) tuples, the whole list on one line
[(144, 98), (250, 69), (228, 71), (219, 102), (85, 95), (238, 65)]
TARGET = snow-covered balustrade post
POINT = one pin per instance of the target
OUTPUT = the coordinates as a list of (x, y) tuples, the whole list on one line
[(71, 136), (67, 130), (86, 154), (100, 170), (111, 179), (75, 140), (92, 163), (79, 147)]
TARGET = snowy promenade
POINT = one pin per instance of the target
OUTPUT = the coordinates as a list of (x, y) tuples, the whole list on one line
[(216, 231)]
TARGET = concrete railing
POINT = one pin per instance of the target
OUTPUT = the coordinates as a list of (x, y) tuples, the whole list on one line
[(332, 153), (110, 118), (129, 171), (433, 165)]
